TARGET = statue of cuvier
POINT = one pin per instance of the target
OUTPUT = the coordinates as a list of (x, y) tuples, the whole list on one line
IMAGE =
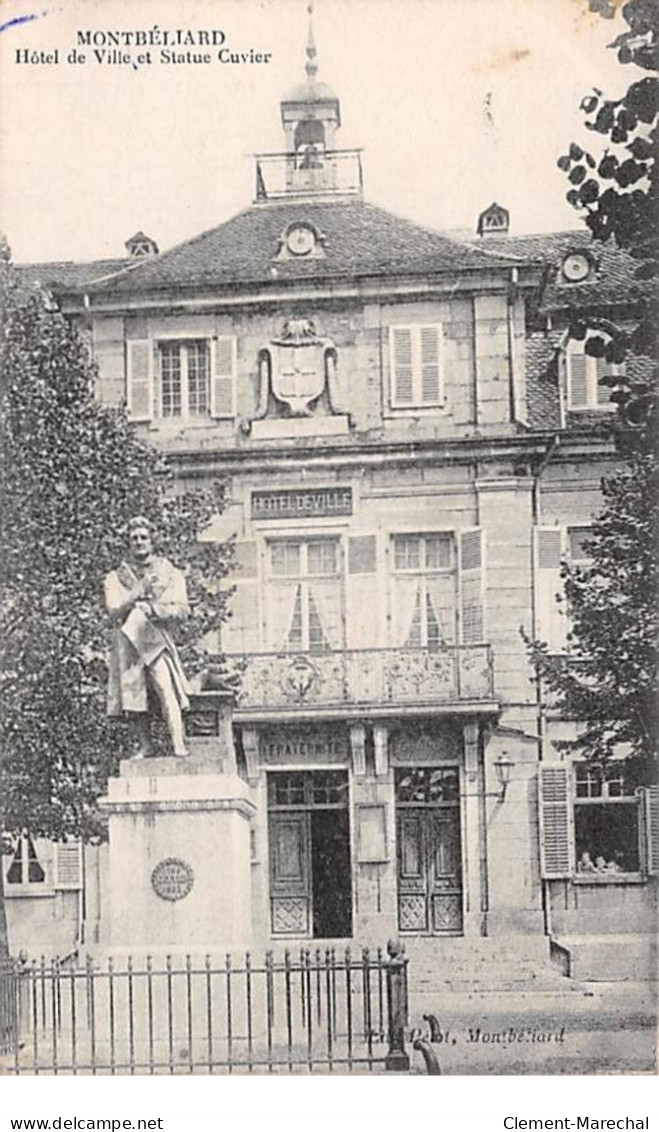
[(145, 596)]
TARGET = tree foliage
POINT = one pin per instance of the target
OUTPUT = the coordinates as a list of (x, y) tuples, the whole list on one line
[(608, 682), (72, 473), (616, 192)]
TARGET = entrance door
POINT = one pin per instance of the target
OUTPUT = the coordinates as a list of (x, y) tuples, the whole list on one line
[(330, 874), (310, 865), (429, 853)]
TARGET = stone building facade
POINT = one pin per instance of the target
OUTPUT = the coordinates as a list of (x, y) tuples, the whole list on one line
[(411, 445)]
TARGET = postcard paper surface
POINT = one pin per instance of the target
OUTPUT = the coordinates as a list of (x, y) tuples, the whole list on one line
[(323, 253)]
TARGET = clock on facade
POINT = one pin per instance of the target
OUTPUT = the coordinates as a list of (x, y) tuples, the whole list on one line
[(300, 240), (576, 267)]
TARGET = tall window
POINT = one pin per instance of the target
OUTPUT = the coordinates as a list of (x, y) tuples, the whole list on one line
[(424, 591), (606, 820), (25, 867), (184, 386), (577, 537), (305, 598)]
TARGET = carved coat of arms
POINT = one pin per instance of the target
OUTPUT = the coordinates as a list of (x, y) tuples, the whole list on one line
[(297, 369), (298, 366)]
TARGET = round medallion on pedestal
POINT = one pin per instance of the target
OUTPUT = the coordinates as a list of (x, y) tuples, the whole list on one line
[(172, 879)]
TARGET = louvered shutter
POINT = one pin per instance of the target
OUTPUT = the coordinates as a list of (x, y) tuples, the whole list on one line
[(471, 565), (362, 554), (223, 378), (240, 633), (68, 864), (402, 366), (431, 364), (139, 379), (577, 380), (605, 369), (551, 619), (555, 815), (650, 796)]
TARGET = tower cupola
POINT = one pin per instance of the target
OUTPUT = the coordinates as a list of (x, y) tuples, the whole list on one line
[(310, 112), (311, 165)]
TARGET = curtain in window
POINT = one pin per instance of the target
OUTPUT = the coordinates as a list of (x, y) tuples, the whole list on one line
[(282, 602), (325, 614), (441, 596)]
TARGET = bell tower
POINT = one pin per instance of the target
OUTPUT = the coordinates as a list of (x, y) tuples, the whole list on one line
[(311, 164), (311, 116)]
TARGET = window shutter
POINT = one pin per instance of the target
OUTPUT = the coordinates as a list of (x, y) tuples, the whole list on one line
[(68, 864), (471, 561), (431, 362), (240, 633), (650, 796), (139, 379), (551, 619), (402, 369), (362, 554), (555, 814), (223, 378), (362, 595), (605, 369), (577, 380)]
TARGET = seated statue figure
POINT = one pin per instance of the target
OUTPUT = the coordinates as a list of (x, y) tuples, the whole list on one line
[(145, 596)]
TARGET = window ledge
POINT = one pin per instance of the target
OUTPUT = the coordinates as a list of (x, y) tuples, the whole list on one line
[(612, 878), (606, 408), (416, 410), (175, 424), (14, 891)]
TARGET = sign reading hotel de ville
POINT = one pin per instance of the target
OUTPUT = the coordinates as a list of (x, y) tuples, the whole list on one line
[(306, 503)]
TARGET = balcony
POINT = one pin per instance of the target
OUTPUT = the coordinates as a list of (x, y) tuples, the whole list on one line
[(378, 681)]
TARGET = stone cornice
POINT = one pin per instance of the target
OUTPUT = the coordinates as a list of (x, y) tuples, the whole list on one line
[(193, 298), (177, 805), (530, 447)]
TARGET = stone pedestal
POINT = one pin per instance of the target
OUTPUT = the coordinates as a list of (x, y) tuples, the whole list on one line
[(179, 845)]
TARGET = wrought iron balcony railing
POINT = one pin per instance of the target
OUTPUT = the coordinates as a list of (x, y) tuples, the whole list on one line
[(375, 679), (335, 172)]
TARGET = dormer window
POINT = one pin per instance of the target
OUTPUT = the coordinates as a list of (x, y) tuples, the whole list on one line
[(140, 246), (495, 221), (584, 375)]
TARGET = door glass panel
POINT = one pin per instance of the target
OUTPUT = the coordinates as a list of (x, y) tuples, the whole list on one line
[(446, 847), (288, 851), (411, 847)]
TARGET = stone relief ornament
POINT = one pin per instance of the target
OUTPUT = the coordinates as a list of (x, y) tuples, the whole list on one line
[(172, 879), (301, 678), (298, 373)]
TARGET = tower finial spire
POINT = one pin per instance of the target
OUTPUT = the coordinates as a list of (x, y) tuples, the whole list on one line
[(311, 65)]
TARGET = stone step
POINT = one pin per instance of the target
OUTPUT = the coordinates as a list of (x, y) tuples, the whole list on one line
[(603, 957)]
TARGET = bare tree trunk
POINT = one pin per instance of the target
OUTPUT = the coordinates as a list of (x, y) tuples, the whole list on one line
[(4, 934)]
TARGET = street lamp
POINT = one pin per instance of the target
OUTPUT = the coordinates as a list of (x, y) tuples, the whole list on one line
[(503, 767)]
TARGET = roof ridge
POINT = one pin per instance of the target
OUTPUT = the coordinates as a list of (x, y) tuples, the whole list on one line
[(145, 261), (415, 224)]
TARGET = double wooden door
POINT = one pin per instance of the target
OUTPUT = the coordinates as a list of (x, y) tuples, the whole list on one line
[(429, 870)]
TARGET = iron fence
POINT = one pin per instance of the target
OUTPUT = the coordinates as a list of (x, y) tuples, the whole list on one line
[(304, 1012)]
